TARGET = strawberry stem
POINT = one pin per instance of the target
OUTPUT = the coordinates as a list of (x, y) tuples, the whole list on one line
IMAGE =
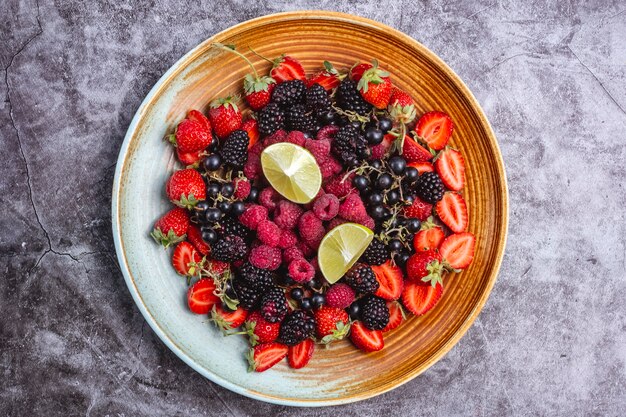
[(261, 56), (234, 51)]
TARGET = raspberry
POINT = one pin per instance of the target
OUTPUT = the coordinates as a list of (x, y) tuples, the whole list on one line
[(380, 150), (287, 214), (291, 254), (265, 257), (339, 296), (334, 165), (336, 222), (269, 198), (268, 232), (327, 132), (252, 169), (353, 209), (311, 229), (305, 249), (242, 188), (316, 265), (319, 148), (326, 207), (301, 271), (367, 222), (256, 149), (288, 239), (326, 169), (253, 215), (277, 137), (339, 186), (295, 137)]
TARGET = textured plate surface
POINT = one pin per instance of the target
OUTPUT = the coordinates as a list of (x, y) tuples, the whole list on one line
[(340, 374)]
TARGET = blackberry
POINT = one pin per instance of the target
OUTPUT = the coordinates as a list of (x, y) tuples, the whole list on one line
[(271, 119), (247, 294), (296, 327), (235, 149), (274, 305), (376, 253), (374, 312), (349, 98), (429, 187), (261, 279), (231, 226), (229, 249), (317, 99), (299, 119), (349, 145), (289, 93), (362, 279)]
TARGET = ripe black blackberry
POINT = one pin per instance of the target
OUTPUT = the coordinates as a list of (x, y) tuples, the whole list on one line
[(429, 187), (296, 327), (271, 118), (231, 226), (377, 253), (229, 249), (350, 146), (261, 279), (374, 312), (362, 279), (317, 99), (349, 98), (247, 294), (235, 149), (274, 305), (298, 118), (288, 93)]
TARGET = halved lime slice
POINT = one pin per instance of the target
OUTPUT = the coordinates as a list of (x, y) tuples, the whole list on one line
[(341, 248), (292, 171)]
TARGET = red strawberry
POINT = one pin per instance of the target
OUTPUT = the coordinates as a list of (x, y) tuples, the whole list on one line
[(225, 116), (451, 168), (458, 250), (251, 126), (190, 159), (194, 236), (287, 68), (425, 268), (396, 315), (201, 296), (391, 281), (375, 86), (429, 238), (452, 210), (414, 152), (260, 330), (365, 339), (419, 299), (262, 357), (329, 77), (186, 259), (331, 323), (186, 188), (258, 91), (401, 106), (227, 320), (197, 116), (356, 72), (191, 136), (216, 267), (422, 167), (419, 209), (435, 128), (171, 228), (299, 355)]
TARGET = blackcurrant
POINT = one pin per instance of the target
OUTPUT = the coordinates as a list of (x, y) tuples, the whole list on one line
[(227, 189), (297, 293), (384, 181), (212, 162), (353, 311), (209, 236), (213, 189), (397, 164), (395, 245), (375, 199), (356, 124), (377, 212), (401, 258), (212, 215), (306, 304), (202, 205), (393, 197), (318, 300), (385, 124), (237, 208), (224, 206), (409, 199), (413, 225), (376, 163), (360, 182), (254, 194), (411, 174), (373, 135)]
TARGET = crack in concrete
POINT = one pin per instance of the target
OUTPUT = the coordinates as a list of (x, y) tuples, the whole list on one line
[(459, 24)]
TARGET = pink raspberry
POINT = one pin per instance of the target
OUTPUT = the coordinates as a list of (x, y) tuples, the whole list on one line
[(336, 222), (326, 169), (305, 249), (295, 137), (269, 198), (353, 208), (326, 207), (311, 229), (276, 137), (339, 296), (334, 165), (257, 148), (291, 254), (253, 215), (339, 186), (268, 232), (288, 239), (242, 188), (252, 169), (287, 214), (319, 148), (368, 222), (327, 132), (315, 264), (265, 257), (301, 271)]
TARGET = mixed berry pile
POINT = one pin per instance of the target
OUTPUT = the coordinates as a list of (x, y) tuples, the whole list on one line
[(250, 255)]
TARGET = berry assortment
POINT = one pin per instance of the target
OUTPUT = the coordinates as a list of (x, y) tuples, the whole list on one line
[(250, 254)]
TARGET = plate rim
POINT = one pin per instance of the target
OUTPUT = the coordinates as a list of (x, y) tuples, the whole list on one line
[(124, 154)]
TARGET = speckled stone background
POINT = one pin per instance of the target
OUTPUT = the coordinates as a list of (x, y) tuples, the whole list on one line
[(551, 77)]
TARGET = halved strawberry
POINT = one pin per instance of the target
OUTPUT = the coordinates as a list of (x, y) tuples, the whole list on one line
[(430, 237), (327, 78), (435, 128), (356, 72), (414, 152), (390, 279), (299, 355), (227, 320), (186, 259), (419, 299), (365, 339), (194, 236), (251, 126), (396, 315), (458, 250), (201, 296), (422, 167), (451, 169), (200, 118), (287, 68), (262, 357), (452, 210), (189, 158)]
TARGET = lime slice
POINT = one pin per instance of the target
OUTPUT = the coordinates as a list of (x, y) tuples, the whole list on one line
[(292, 171), (341, 248)]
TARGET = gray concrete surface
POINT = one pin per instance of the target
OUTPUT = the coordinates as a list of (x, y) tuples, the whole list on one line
[(551, 77)]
